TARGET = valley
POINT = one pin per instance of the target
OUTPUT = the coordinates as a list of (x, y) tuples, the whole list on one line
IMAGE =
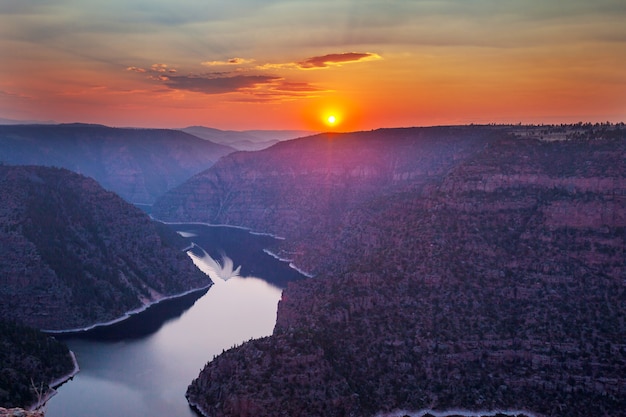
[(462, 267)]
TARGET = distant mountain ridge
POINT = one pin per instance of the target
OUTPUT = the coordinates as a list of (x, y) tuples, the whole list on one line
[(73, 254), (247, 140), (476, 267), (138, 164), (5, 121)]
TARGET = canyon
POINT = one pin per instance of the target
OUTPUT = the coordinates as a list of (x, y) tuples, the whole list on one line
[(476, 267), (72, 256)]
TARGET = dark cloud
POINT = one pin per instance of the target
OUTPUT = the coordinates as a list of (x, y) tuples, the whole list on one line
[(259, 87), (217, 85), (331, 59)]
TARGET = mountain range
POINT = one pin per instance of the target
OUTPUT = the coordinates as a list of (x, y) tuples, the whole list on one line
[(247, 140), (138, 164)]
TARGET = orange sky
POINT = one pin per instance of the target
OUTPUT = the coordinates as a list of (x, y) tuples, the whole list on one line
[(252, 64)]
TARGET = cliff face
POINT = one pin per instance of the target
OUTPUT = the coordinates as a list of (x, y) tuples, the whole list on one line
[(138, 164), (73, 254), (494, 278), (298, 186)]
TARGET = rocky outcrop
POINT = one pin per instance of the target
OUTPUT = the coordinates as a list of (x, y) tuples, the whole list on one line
[(73, 254), (466, 268), (137, 164), (19, 412)]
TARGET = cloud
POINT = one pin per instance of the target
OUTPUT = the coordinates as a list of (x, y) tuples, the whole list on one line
[(296, 87), (256, 87), (10, 94), (232, 61), (136, 69), (325, 61), (209, 84)]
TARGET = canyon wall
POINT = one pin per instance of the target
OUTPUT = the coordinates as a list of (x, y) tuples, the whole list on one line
[(73, 254), (454, 267)]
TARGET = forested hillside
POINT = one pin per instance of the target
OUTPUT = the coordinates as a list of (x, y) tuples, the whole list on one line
[(29, 362), (73, 254), (476, 267)]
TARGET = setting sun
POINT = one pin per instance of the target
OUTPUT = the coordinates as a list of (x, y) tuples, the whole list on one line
[(331, 118)]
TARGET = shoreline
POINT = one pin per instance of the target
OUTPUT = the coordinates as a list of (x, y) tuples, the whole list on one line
[(290, 262), (458, 412), (144, 307), (56, 383), (249, 230), (196, 407), (126, 315)]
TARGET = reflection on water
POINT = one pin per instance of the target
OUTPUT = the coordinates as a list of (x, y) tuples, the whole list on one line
[(218, 271), (244, 249), (140, 325), (142, 367)]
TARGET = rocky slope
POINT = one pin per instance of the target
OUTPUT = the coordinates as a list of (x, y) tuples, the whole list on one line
[(138, 164), (456, 267), (73, 254)]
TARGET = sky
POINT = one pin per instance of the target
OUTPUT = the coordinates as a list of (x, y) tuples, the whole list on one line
[(291, 64)]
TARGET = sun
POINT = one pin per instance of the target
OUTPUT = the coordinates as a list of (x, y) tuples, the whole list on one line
[(331, 119)]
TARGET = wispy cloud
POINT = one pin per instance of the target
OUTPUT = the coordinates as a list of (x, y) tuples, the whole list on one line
[(248, 81), (13, 95), (136, 69), (210, 84), (325, 61), (232, 61), (322, 61), (154, 69)]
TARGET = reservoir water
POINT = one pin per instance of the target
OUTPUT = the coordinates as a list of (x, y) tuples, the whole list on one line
[(143, 365)]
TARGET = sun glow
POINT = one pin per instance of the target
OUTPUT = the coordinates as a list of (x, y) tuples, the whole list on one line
[(331, 119)]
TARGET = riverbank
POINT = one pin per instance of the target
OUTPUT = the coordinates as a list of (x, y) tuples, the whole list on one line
[(55, 383), (289, 262), (459, 413), (137, 369), (128, 314), (247, 229)]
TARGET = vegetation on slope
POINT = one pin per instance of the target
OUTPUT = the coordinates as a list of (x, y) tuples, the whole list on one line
[(29, 362), (495, 282), (73, 254)]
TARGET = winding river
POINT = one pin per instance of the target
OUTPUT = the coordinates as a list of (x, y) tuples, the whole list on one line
[(143, 365)]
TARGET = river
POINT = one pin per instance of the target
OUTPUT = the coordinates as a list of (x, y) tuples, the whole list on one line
[(143, 365)]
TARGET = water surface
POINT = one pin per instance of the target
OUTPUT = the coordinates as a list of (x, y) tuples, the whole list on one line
[(142, 366)]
